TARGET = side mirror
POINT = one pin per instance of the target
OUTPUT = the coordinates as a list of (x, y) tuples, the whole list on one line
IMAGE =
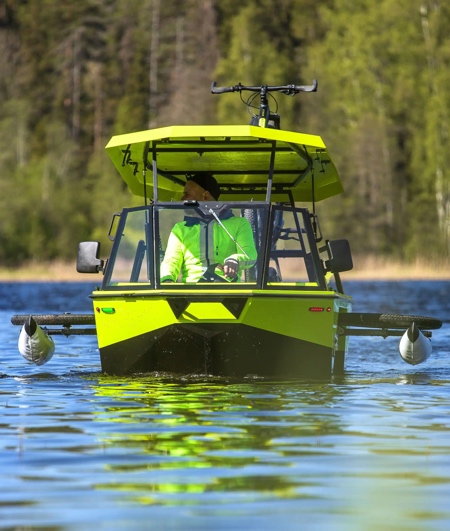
[(340, 256), (88, 260)]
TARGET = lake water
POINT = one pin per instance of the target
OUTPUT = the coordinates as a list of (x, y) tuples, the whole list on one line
[(370, 450)]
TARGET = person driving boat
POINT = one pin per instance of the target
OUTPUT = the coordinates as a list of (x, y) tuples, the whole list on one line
[(204, 247)]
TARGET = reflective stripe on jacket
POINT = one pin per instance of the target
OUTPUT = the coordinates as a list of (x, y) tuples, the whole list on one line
[(196, 243)]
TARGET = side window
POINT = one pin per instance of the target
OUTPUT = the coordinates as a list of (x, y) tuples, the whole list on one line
[(131, 260), (290, 254)]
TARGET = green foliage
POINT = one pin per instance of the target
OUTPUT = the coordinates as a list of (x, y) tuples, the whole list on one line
[(373, 60), (258, 52), (74, 73)]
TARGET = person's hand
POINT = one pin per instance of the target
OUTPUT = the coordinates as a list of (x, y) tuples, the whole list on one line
[(230, 268)]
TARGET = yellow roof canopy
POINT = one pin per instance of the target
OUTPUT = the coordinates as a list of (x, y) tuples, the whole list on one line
[(239, 156)]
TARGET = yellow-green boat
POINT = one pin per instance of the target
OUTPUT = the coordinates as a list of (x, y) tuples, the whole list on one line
[(286, 316)]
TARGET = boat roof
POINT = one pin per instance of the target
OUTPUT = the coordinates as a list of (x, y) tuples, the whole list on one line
[(239, 156)]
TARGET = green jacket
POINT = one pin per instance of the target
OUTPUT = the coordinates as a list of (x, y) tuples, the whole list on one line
[(196, 244)]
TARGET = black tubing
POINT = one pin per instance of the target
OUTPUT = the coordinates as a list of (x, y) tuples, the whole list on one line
[(56, 319), (385, 320)]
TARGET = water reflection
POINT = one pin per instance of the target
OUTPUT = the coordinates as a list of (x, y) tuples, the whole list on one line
[(368, 450), (352, 452), (207, 436), (347, 450), (417, 378)]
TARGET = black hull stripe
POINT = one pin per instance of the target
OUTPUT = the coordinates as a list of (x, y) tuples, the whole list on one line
[(222, 350)]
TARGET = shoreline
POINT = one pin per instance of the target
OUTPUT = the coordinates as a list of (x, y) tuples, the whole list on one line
[(367, 269)]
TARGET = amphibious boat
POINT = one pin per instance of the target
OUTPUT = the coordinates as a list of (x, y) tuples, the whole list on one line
[(286, 316)]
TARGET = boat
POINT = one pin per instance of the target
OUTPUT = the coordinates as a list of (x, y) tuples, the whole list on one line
[(285, 314)]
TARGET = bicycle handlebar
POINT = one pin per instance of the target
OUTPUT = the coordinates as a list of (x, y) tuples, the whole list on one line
[(290, 90)]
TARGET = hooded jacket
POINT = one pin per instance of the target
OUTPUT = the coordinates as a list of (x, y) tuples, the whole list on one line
[(198, 243)]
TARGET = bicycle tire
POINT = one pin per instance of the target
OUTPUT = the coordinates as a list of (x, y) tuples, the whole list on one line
[(384, 320)]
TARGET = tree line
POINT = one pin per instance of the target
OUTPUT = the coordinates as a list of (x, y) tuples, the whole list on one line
[(75, 72)]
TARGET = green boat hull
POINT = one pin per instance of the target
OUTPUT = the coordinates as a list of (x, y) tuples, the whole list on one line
[(267, 336)]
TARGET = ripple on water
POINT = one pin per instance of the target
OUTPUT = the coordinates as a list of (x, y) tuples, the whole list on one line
[(362, 451)]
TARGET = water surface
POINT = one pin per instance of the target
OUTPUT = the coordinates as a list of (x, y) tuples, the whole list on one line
[(369, 450)]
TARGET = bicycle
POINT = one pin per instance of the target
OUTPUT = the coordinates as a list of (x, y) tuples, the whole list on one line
[(265, 118)]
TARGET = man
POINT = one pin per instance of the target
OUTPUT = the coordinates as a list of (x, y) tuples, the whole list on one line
[(205, 247)]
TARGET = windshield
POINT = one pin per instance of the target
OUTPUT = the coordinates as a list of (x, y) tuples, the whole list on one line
[(209, 243), (202, 245)]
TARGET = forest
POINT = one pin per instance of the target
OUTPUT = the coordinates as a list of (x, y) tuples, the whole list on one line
[(73, 73)]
